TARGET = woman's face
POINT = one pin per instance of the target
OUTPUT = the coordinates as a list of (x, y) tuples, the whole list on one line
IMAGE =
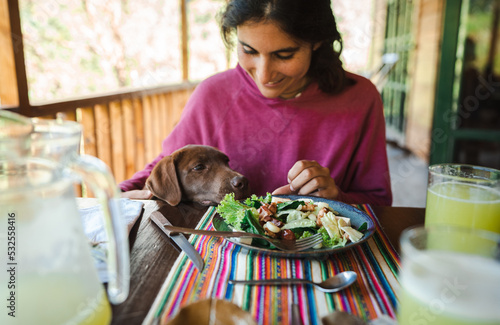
[(276, 62)]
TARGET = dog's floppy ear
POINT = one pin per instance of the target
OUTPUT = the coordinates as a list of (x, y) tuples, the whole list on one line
[(163, 182)]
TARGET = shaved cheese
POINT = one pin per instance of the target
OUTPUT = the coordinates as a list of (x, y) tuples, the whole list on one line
[(321, 205), (343, 222), (330, 225), (354, 235)]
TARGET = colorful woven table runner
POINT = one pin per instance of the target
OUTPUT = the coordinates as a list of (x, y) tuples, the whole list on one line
[(374, 293)]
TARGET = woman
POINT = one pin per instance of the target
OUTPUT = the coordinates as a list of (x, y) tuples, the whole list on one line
[(288, 116)]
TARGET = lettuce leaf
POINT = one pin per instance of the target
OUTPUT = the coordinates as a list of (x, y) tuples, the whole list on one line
[(233, 211), (256, 201), (330, 242)]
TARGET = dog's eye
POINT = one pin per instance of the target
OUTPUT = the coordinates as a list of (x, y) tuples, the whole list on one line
[(199, 167)]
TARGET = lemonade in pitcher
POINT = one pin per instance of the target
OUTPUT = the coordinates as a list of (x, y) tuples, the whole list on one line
[(462, 204), (52, 278), (48, 276), (56, 299)]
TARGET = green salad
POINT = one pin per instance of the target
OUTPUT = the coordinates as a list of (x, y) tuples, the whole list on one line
[(288, 219)]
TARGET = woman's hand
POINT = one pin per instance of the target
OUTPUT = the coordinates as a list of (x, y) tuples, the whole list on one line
[(307, 177), (137, 195)]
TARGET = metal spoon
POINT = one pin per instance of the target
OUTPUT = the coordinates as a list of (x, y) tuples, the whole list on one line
[(335, 283)]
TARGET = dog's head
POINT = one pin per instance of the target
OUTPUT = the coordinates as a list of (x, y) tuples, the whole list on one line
[(196, 173)]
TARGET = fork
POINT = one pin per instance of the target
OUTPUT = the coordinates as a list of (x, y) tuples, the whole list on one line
[(284, 245)]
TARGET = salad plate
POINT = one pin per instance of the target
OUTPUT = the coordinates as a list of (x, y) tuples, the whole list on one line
[(357, 217)]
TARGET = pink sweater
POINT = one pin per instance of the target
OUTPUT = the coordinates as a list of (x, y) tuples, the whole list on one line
[(264, 137)]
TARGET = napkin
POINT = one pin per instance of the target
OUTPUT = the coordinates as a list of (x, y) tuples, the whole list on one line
[(93, 227)]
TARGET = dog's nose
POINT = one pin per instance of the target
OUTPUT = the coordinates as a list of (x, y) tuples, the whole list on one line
[(239, 182)]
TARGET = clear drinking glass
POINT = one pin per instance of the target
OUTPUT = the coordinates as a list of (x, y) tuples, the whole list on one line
[(449, 284), (463, 195)]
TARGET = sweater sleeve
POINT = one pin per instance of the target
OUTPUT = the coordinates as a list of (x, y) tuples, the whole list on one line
[(369, 168)]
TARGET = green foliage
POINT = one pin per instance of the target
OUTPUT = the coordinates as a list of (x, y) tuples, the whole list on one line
[(85, 48), (479, 22)]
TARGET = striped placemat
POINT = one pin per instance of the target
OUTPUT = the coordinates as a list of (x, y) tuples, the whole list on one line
[(374, 294)]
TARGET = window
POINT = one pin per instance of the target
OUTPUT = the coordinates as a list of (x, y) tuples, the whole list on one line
[(89, 48), (80, 48), (207, 53)]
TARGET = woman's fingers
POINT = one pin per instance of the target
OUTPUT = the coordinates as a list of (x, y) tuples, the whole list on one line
[(137, 195), (307, 177), (305, 171), (314, 184), (283, 190)]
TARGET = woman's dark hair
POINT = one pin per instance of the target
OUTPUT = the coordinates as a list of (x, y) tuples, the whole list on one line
[(311, 21)]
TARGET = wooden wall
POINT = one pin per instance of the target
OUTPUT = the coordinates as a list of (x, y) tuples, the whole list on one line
[(128, 134), (424, 76)]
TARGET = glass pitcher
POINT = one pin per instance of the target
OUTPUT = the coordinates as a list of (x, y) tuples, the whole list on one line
[(59, 141), (48, 273)]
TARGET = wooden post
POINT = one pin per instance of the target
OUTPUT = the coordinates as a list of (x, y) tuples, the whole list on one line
[(103, 134), (140, 156), (8, 80), (129, 132), (89, 131), (117, 140), (18, 47), (148, 132), (184, 40)]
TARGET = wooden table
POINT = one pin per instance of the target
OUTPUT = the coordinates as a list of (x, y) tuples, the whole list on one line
[(153, 253)]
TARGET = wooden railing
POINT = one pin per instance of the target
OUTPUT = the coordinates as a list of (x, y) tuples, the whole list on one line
[(127, 134), (125, 130)]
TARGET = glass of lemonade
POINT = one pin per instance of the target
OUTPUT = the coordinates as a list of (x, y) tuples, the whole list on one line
[(443, 284), (463, 195)]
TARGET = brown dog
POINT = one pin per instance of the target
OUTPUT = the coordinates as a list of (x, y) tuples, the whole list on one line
[(196, 173)]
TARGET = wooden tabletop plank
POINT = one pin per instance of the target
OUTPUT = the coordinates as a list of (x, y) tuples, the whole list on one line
[(395, 219)]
